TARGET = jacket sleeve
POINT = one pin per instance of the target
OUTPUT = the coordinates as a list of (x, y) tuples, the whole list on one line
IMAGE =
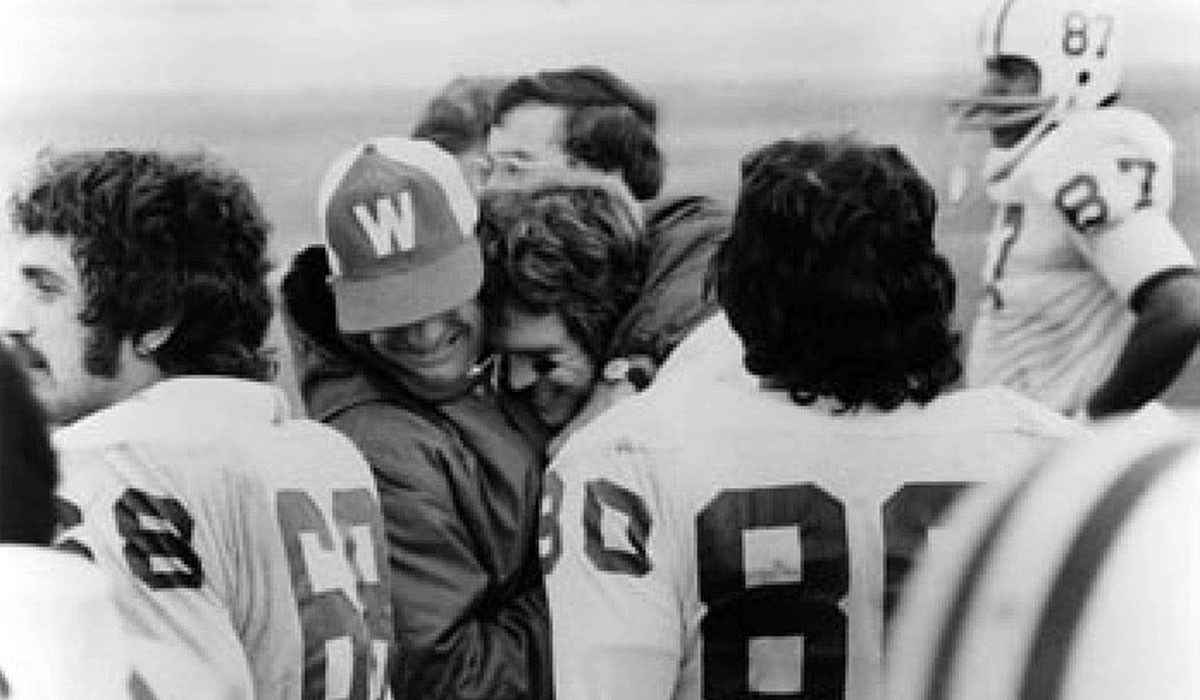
[(464, 630)]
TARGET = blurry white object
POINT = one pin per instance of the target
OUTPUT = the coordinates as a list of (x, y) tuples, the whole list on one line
[(1076, 582), (59, 636)]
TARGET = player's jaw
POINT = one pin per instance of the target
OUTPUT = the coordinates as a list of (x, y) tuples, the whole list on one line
[(1009, 135)]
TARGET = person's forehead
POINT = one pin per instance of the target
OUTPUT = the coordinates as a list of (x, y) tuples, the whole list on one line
[(521, 330), (42, 250), (526, 126)]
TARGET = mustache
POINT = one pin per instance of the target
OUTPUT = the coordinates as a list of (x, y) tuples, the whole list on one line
[(23, 352)]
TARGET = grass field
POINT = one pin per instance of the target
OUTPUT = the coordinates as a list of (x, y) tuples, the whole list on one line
[(283, 141)]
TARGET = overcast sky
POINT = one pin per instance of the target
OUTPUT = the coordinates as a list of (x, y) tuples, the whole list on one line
[(151, 45)]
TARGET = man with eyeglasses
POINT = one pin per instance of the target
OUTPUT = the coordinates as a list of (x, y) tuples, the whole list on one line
[(587, 120)]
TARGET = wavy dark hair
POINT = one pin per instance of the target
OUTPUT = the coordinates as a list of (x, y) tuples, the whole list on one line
[(28, 472), (609, 126), (566, 245), (459, 116), (161, 241), (831, 279)]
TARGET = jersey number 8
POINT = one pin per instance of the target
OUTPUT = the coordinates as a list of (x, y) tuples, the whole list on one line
[(157, 536)]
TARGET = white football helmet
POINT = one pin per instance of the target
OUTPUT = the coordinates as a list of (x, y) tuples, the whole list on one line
[(1075, 46), (1077, 581)]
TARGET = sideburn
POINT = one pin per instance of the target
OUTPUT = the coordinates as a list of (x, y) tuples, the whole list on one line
[(101, 352)]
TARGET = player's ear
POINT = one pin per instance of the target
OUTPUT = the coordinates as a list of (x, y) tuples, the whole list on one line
[(148, 342)]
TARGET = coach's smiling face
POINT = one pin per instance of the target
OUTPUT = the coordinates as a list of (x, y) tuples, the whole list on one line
[(41, 300), (439, 355)]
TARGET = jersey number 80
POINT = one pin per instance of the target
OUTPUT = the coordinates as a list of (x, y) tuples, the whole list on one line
[(793, 615)]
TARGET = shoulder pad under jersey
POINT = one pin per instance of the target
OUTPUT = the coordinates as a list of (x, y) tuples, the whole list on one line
[(1100, 166)]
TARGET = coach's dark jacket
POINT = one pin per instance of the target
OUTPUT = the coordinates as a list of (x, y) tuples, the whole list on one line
[(459, 484), (682, 235)]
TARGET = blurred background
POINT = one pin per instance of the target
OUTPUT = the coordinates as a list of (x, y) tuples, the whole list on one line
[(278, 87)]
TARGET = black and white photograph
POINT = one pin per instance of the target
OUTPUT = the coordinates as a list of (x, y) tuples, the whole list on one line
[(599, 349)]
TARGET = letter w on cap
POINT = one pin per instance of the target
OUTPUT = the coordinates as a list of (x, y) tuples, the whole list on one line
[(390, 228)]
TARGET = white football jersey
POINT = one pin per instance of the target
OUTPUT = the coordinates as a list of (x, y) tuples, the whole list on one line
[(712, 351), (1081, 222), (717, 540), (1076, 581), (60, 638), (246, 548)]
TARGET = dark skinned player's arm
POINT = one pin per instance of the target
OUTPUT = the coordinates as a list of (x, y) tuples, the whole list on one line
[(1161, 342)]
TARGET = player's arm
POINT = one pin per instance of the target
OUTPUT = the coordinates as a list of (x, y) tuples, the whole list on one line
[(1117, 204), (1163, 338), (607, 555), (459, 635)]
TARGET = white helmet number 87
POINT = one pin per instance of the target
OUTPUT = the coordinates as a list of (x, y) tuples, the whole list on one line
[(1078, 30)]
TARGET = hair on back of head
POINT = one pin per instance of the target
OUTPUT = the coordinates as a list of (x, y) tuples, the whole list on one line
[(831, 278)]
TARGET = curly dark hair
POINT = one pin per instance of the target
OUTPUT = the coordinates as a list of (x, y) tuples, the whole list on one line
[(565, 245), (161, 241), (459, 116), (28, 471), (831, 279), (609, 126)]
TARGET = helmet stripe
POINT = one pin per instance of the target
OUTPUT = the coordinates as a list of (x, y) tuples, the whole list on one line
[(1001, 18), (1045, 665), (968, 585)]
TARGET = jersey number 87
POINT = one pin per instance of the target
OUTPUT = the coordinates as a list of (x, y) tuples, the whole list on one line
[(1082, 203)]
